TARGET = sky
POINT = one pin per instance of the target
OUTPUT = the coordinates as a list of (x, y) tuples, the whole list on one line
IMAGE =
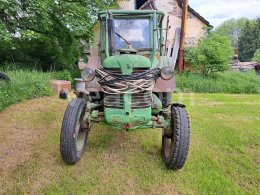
[(217, 11)]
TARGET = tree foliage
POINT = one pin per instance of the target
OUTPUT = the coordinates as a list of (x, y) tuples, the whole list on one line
[(232, 29), (249, 40), (256, 57), (213, 54), (47, 29)]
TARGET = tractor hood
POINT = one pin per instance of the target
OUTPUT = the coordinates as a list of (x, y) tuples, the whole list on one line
[(127, 62)]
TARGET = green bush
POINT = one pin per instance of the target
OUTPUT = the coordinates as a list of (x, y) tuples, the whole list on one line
[(67, 75), (256, 57), (24, 85), (62, 75), (227, 82), (213, 54)]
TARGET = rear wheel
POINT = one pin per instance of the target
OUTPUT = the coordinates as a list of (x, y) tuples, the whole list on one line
[(176, 139), (74, 132)]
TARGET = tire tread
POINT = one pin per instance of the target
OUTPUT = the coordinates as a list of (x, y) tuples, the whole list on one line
[(67, 143)]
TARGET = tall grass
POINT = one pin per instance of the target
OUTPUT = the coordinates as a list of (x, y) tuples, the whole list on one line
[(227, 82), (24, 85)]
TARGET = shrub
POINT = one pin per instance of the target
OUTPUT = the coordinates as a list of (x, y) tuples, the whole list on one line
[(67, 75), (256, 57), (213, 54), (62, 75)]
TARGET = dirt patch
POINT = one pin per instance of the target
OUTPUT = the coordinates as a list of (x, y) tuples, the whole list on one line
[(23, 126)]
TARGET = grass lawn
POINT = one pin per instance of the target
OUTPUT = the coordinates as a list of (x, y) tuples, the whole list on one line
[(224, 155)]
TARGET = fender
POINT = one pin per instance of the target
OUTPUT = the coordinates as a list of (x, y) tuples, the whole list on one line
[(178, 105)]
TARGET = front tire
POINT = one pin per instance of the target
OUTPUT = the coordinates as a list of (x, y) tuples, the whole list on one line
[(176, 139), (74, 132)]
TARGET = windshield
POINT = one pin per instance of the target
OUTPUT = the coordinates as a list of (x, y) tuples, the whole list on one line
[(135, 31)]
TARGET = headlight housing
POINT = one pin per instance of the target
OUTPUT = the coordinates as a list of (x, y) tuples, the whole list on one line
[(88, 74), (167, 73)]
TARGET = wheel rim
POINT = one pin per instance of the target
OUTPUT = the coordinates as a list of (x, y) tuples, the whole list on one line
[(81, 132), (168, 142), (80, 139), (168, 145)]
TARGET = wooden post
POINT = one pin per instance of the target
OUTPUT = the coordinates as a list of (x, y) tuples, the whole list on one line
[(183, 33)]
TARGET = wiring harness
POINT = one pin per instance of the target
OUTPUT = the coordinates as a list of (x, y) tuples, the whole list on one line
[(114, 83)]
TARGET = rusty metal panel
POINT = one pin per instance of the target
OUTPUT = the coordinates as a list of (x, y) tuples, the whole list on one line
[(93, 64), (165, 86)]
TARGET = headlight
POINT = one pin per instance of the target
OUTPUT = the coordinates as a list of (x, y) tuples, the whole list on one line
[(88, 74), (167, 73)]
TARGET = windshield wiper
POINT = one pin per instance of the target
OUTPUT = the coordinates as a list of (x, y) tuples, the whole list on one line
[(128, 43)]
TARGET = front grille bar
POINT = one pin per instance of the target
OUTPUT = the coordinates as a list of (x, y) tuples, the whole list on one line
[(139, 100)]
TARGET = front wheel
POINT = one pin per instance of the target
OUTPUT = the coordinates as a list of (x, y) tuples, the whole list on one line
[(74, 132), (176, 139)]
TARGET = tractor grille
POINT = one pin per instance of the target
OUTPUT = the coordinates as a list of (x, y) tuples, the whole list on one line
[(114, 101), (139, 100)]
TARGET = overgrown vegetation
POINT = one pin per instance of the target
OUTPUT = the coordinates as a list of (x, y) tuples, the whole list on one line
[(24, 85), (213, 54), (227, 82), (46, 34)]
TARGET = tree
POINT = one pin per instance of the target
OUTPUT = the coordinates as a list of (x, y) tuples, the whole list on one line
[(232, 29), (61, 23), (256, 57), (213, 54), (249, 41)]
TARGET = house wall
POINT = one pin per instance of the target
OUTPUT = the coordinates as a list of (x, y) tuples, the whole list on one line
[(126, 4)]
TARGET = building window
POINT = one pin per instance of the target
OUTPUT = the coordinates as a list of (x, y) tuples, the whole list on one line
[(139, 3)]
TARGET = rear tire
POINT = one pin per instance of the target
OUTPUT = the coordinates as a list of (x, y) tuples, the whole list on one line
[(176, 139), (74, 132)]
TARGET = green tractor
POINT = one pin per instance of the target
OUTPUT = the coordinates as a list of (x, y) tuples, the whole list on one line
[(128, 86)]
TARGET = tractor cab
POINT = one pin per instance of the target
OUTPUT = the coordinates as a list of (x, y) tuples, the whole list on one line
[(131, 33)]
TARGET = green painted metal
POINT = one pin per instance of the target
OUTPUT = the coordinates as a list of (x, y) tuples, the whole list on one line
[(155, 38), (94, 113), (135, 116), (155, 26), (126, 62), (156, 105), (130, 12), (127, 117)]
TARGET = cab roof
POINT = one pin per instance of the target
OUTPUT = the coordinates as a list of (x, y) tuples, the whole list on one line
[(130, 12)]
